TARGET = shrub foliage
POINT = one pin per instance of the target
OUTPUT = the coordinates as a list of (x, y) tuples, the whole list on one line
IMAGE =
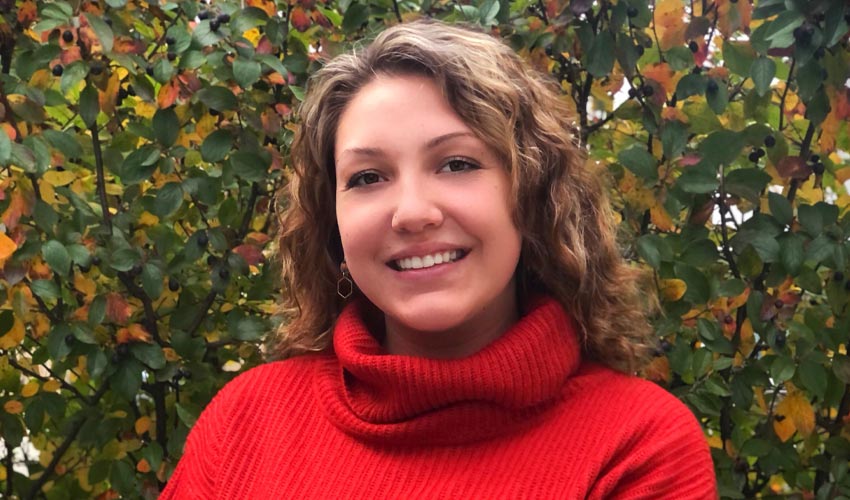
[(142, 144)]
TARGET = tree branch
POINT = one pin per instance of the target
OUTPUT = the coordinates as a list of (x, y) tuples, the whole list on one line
[(101, 177)]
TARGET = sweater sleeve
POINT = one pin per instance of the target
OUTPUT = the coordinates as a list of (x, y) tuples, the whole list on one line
[(666, 456), (196, 473)]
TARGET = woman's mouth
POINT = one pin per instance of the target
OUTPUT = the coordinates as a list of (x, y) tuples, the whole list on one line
[(429, 260)]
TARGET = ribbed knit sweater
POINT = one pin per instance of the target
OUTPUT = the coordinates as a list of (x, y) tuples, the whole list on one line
[(523, 418)]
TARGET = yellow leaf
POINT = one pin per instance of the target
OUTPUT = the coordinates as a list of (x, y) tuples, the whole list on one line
[(30, 389), (7, 247), (170, 354), (668, 18), (56, 178), (14, 407), (748, 341), (14, 336), (85, 285), (661, 218), (148, 219), (252, 35), (794, 413), (145, 109), (143, 425), (51, 385), (673, 289), (843, 174), (738, 301)]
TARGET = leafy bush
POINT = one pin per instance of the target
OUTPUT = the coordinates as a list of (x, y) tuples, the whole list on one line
[(142, 145)]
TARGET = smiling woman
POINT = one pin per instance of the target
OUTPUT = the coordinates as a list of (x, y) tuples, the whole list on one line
[(459, 320)]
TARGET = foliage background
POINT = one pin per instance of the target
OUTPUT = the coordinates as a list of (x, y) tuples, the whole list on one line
[(142, 143)]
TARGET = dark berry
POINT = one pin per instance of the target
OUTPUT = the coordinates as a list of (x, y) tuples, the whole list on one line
[(697, 70), (847, 285), (224, 18), (214, 25), (818, 168), (711, 86), (108, 21), (149, 70), (780, 339), (67, 36), (640, 50), (838, 276), (211, 260), (96, 68), (172, 56), (136, 269), (170, 40), (632, 92), (666, 346), (753, 156), (203, 15), (131, 90), (770, 141), (214, 112), (820, 52), (95, 260), (647, 90), (69, 339), (203, 239), (58, 70), (632, 12), (779, 304), (224, 273), (814, 158), (760, 152), (173, 284), (122, 349), (185, 373), (85, 268), (694, 46), (728, 319)]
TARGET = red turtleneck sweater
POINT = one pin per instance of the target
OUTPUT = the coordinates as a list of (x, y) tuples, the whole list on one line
[(523, 418)]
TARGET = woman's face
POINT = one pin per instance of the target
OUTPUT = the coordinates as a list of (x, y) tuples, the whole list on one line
[(424, 215)]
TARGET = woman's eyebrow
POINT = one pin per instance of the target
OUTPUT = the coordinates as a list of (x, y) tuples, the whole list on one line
[(374, 152), (436, 141)]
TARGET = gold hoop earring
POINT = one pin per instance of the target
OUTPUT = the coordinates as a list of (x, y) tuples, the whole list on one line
[(344, 285)]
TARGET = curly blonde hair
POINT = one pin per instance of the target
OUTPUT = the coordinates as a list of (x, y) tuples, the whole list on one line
[(569, 249)]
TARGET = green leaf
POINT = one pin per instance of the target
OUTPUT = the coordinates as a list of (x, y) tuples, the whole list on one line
[(782, 368), (218, 98), (654, 250), (791, 253), (249, 166), (139, 165), (46, 289), (169, 199), (89, 105), (123, 260), (747, 183), (640, 162), (690, 84), (599, 60), (66, 143), (762, 72), (57, 345), (721, 147), (841, 367), (246, 72), (102, 30), (243, 327), (57, 257), (149, 354), (355, 16), (216, 146), (738, 57), (698, 179), (780, 208), (813, 377), (674, 138), (127, 379), (152, 280), (717, 96), (186, 416), (5, 149), (166, 126)]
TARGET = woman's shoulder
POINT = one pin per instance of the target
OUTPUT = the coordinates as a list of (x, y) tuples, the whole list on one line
[(269, 383)]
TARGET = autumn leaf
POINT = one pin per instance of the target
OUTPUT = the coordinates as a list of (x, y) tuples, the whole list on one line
[(250, 253), (7, 247), (117, 309), (142, 425), (794, 167), (300, 20), (794, 414), (668, 18), (13, 407), (672, 289), (132, 333), (14, 336)]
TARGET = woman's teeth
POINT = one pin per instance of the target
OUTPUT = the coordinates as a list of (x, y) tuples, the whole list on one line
[(428, 260)]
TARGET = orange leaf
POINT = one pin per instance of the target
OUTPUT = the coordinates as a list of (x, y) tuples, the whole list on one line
[(143, 424), (20, 204), (30, 389), (794, 413), (250, 253), (663, 75), (658, 370), (14, 336), (13, 407), (300, 19), (660, 217), (117, 309), (27, 13), (143, 466), (7, 247), (133, 333), (127, 45), (167, 95)]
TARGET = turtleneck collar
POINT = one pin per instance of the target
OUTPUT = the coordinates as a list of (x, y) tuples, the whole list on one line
[(383, 398)]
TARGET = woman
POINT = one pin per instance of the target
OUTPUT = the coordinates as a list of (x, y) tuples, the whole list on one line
[(461, 323)]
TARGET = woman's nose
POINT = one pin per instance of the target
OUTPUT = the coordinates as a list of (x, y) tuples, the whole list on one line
[(416, 208)]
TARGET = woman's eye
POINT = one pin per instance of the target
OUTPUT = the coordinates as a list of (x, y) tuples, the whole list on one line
[(459, 165), (363, 179)]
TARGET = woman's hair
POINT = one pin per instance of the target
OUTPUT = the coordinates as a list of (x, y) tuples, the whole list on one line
[(569, 249)]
